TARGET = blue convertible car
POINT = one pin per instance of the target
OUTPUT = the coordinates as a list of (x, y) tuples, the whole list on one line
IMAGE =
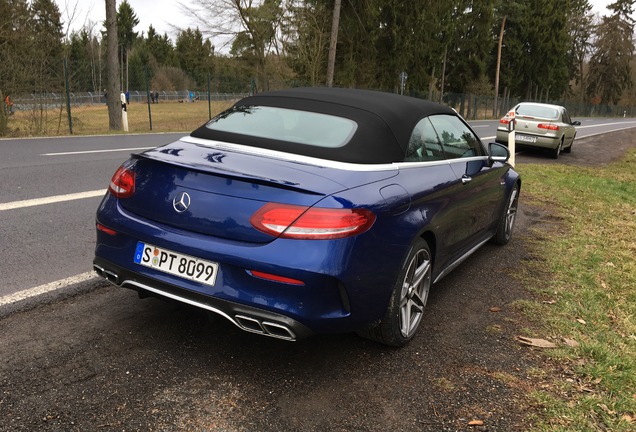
[(308, 211)]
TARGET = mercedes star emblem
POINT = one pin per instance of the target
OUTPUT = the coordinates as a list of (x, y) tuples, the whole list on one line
[(181, 202)]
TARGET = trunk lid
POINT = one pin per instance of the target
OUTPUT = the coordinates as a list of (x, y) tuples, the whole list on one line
[(528, 124), (225, 188)]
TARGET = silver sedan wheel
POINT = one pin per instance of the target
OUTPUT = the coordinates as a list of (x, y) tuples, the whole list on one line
[(511, 213), (415, 289), (557, 151)]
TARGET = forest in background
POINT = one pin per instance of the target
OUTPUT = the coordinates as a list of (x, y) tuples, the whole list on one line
[(530, 49)]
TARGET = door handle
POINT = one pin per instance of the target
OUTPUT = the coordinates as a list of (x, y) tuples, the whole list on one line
[(466, 179)]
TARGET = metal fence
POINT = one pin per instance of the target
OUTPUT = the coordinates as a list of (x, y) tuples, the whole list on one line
[(66, 98), (476, 107), (78, 99), (65, 107)]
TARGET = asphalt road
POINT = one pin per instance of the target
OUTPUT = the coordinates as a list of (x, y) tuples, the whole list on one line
[(106, 361), (42, 242)]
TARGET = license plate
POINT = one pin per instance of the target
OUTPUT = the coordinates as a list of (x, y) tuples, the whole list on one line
[(525, 138), (174, 263)]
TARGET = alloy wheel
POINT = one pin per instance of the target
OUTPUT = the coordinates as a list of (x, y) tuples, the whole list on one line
[(415, 289), (511, 213)]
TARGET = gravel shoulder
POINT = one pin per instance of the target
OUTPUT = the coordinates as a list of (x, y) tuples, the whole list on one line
[(103, 360)]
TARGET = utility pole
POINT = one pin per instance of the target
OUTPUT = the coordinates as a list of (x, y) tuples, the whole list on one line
[(501, 35), (331, 62), (112, 67)]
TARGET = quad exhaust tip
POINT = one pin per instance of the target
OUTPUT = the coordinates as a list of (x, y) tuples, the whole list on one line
[(110, 276), (246, 323), (266, 328)]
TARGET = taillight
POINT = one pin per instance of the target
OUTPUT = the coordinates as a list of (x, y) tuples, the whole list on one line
[(504, 121), (299, 222), (548, 126), (122, 185)]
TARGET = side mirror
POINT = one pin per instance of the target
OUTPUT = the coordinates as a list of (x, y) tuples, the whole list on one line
[(498, 153), (576, 123)]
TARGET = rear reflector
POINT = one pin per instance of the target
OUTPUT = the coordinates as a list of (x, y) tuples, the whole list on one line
[(275, 278), (105, 229), (299, 222)]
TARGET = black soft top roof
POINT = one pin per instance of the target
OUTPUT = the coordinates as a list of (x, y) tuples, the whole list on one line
[(385, 122)]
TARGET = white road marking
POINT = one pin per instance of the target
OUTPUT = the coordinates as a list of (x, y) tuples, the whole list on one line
[(609, 124), (51, 199), (95, 151), (43, 289)]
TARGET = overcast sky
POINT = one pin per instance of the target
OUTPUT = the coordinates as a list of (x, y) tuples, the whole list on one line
[(161, 14)]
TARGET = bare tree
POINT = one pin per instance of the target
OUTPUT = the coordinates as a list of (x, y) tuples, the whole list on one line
[(305, 37), (112, 65), (255, 22), (70, 13)]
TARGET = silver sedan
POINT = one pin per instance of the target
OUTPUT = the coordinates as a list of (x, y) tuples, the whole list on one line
[(540, 125)]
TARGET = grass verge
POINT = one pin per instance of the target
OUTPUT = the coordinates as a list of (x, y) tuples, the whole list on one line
[(586, 282), (93, 119)]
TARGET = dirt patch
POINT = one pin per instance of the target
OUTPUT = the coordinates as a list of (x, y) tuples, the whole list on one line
[(105, 361)]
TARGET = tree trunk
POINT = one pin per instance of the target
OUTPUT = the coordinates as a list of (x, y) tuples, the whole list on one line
[(431, 84), (112, 66), (441, 90), (3, 114), (331, 63)]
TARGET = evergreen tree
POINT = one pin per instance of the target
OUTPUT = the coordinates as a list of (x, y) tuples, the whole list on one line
[(160, 47), (472, 22), (79, 62), (126, 22), (45, 52), (356, 57), (580, 31), (14, 25), (610, 69), (195, 55), (536, 58)]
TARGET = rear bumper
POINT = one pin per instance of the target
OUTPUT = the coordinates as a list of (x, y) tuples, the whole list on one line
[(246, 318), (345, 283), (543, 141)]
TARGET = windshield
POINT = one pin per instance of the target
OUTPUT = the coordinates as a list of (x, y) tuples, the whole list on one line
[(302, 127)]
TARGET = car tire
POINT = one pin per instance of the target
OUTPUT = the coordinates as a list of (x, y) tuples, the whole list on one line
[(508, 218), (408, 300), (557, 151), (568, 149)]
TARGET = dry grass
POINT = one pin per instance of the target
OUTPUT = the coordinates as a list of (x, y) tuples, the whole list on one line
[(93, 119)]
